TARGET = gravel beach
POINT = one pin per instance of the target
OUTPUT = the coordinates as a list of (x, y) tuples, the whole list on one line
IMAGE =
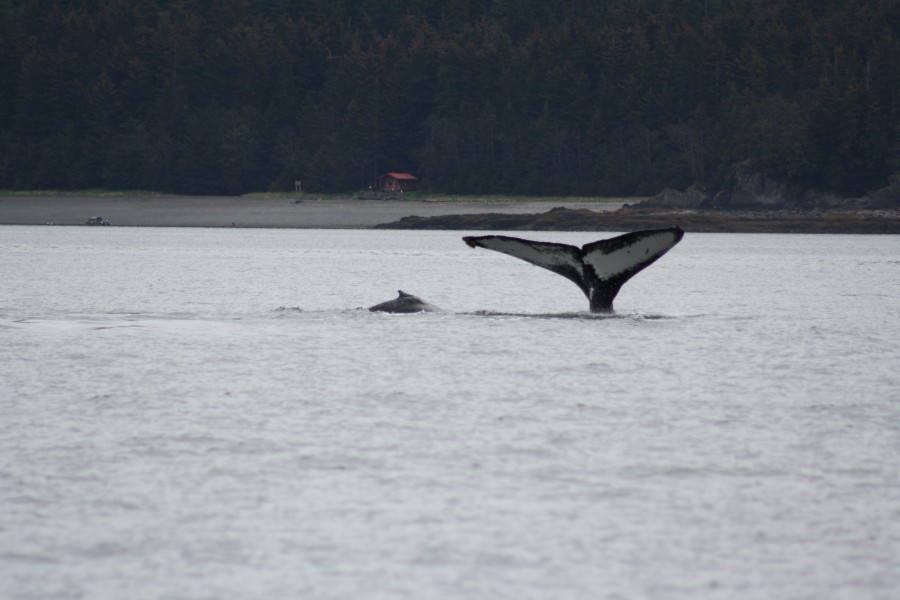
[(308, 212), (229, 211)]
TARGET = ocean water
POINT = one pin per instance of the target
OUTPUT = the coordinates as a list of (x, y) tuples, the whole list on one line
[(211, 413)]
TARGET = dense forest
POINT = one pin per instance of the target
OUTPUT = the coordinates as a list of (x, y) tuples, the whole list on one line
[(611, 97)]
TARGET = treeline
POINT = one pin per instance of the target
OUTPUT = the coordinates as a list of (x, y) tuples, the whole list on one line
[(474, 96)]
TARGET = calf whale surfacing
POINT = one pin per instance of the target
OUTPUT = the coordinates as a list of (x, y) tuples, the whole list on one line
[(599, 268), (404, 303)]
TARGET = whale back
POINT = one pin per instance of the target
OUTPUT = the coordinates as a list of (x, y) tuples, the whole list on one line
[(404, 303)]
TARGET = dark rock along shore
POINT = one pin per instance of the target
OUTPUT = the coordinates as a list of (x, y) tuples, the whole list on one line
[(627, 219), (749, 201)]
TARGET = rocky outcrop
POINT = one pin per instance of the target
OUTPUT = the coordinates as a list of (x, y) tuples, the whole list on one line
[(887, 197), (750, 188)]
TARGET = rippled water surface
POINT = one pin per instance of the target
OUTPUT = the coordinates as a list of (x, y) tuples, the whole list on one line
[(208, 413)]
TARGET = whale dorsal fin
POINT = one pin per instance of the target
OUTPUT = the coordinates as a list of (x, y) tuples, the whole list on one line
[(599, 268)]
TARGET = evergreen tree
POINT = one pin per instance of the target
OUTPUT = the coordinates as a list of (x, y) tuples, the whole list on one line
[(514, 96)]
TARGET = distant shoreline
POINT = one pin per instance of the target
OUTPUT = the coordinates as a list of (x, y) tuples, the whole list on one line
[(290, 211), (307, 211)]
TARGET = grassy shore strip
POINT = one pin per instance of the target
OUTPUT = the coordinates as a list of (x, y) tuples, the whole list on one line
[(103, 193), (433, 197), (89, 193), (405, 197)]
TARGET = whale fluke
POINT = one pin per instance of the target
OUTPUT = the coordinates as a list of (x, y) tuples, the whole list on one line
[(404, 303), (599, 268)]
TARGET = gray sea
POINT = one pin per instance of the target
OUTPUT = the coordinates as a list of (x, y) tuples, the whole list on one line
[(212, 413)]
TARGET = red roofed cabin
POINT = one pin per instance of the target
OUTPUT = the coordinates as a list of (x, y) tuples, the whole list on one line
[(398, 182)]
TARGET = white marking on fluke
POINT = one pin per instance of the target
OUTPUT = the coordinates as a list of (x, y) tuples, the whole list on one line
[(599, 268)]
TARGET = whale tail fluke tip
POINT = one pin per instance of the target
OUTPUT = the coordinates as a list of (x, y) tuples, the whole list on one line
[(599, 268)]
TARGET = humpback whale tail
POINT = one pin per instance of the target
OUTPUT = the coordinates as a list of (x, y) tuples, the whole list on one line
[(599, 268)]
